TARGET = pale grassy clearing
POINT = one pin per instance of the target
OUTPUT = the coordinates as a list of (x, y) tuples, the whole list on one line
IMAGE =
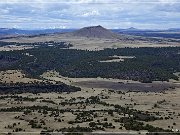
[(137, 100), (14, 76), (118, 58), (14, 47), (94, 44), (166, 103), (55, 76)]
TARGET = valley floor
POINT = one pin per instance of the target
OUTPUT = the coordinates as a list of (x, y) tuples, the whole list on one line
[(91, 109)]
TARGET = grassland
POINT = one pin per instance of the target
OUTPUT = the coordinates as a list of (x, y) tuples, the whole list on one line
[(90, 95), (89, 110), (84, 43)]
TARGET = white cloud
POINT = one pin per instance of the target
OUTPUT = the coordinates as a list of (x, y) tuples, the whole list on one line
[(91, 13)]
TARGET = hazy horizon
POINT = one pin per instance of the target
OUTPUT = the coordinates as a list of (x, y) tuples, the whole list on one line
[(34, 29)]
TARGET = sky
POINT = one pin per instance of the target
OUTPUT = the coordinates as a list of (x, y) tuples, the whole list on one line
[(112, 14)]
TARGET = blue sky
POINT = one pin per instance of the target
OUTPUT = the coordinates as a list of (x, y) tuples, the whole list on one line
[(40, 14)]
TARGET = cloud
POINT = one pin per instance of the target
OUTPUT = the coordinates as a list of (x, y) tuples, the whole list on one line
[(79, 13), (169, 1), (91, 13)]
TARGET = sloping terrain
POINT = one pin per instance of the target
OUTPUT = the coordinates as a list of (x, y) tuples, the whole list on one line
[(95, 32), (96, 38)]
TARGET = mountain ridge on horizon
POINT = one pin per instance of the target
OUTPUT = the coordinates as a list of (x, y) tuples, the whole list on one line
[(95, 32)]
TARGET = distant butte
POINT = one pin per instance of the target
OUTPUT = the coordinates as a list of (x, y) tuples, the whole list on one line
[(95, 32)]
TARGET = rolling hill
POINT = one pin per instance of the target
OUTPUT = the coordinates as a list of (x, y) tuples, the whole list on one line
[(95, 32)]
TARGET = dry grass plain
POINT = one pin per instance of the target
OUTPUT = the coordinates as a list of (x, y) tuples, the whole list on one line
[(166, 104), (84, 43), (14, 47), (14, 76)]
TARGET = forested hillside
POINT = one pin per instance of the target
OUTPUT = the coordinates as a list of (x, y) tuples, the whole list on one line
[(148, 64)]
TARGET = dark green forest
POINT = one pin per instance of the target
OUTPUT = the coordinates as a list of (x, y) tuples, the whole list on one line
[(149, 64)]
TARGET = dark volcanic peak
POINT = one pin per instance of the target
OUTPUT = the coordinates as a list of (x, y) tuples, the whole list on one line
[(95, 32), (132, 28)]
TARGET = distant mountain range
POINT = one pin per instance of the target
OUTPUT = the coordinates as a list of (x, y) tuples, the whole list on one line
[(5, 31), (169, 33), (132, 29), (97, 31), (13, 31)]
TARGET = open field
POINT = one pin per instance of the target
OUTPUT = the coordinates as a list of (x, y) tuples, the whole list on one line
[(84, 43), (14, 47), (56, 111), (116, 58), (101, 104), (113, 84), (15, 76), (162, 104), (147, 87)]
